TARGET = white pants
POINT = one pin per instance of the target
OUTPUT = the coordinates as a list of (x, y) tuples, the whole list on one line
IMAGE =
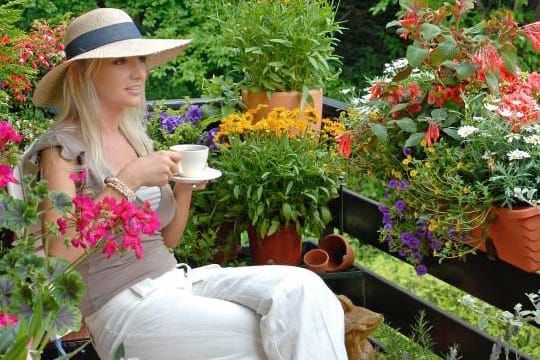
[(251, 312)]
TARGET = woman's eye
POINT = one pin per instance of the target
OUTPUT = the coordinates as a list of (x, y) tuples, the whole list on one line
[(142, 59), (119, 61)]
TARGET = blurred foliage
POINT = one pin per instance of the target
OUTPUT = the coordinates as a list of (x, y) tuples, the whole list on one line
[(365, 46)]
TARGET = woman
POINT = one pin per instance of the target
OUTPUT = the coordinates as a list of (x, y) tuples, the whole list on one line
[(156, 310)]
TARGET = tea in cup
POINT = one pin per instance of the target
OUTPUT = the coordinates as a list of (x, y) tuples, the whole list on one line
[(193, 161)]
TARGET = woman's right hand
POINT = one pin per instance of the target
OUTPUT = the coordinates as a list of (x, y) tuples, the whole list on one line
[(154, 169)]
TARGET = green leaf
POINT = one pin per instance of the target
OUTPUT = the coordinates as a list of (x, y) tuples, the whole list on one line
[(380, 131), (287, 211), (446, 50), (415, 139), (416, 55), (452, 133), (429, 31), (463, 70), (120, 352), (407, 125), (509, 57)]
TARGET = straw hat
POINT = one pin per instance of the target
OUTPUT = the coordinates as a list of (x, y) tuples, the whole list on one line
[(104, 33)]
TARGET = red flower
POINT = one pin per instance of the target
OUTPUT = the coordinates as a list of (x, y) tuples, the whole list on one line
[(432, 134), (532, 31), (345, 144)]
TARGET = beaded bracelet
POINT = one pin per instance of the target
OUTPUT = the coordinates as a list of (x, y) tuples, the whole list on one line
[(116, 184)]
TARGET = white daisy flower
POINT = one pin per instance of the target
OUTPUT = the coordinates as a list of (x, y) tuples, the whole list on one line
[(491, 107), (466, 130), (512, 137), (488, 155), (506, 112), (533, 139), (517, 155)]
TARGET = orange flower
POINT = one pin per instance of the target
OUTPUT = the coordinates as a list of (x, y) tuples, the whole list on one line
[(345, 144)]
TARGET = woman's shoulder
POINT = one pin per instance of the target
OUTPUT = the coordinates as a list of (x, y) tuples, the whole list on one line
[(68, 139)]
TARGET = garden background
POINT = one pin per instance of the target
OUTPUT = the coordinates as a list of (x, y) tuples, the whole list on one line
[(365, 46)]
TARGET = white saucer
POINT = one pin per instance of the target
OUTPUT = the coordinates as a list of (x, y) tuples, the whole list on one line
[(207, 175)]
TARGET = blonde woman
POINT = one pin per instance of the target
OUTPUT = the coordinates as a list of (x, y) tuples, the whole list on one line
[(154, 308)]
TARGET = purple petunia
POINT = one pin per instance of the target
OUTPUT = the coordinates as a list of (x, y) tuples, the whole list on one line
[(421, 269), (393, 184), (403, 185), (406, 152), (194, 114), (400, 205), (170, 122), (410, 240)]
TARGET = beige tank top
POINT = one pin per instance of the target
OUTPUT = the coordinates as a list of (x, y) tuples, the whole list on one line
[(105, 277)]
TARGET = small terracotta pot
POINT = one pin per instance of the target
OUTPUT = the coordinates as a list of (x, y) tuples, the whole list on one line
[(317, 260), (339, 250)]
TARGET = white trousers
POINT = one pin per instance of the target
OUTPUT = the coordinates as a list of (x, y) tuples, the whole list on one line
[(241, 313)]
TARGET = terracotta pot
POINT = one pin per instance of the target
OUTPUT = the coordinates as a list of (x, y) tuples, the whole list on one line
[(290, 100), (515, 233), (283, 247), (317, 260), (339, 250)]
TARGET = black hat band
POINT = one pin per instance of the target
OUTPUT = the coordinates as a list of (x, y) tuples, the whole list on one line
[(102, 36)]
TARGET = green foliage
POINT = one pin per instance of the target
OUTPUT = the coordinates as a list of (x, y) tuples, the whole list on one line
[(439, 293), (418, 345), (279, 181), (282, 45)]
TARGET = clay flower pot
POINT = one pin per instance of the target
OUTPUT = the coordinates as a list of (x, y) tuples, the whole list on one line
[(339, 250), (317, 260)]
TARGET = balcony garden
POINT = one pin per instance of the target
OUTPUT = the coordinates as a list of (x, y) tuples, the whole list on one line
[(415, 154)]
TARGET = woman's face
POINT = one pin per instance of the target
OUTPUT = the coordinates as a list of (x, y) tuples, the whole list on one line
[(119, 82)]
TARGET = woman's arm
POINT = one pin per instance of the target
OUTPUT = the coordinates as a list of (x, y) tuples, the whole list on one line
[(150, 170), (56, 171)]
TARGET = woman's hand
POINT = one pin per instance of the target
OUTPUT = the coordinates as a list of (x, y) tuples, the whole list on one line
[(151, 170)]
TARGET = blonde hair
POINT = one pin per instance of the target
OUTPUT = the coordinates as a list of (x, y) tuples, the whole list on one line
[(80, 108)]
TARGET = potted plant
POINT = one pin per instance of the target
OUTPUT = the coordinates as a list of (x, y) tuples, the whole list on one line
[(279, 179), (452, 131), (282, 47)]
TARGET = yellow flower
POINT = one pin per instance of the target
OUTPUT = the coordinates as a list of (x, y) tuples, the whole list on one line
[(465, 190), (431, 149), (432, 226), (407, 160), (413, 173), (427, 164)]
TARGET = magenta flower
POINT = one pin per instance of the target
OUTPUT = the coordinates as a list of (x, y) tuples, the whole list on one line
[(7, 319), (6, 176), (8, 134)]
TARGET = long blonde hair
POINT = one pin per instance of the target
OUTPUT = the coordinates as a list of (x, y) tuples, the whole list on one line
[(80, 108)]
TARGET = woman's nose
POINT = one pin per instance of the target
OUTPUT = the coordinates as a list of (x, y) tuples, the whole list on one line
[(138, 69)]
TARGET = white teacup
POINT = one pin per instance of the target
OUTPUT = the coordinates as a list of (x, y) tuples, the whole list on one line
[(194, 159)]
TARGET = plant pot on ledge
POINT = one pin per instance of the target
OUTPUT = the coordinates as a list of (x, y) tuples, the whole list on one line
[(290, 100), (515, 234), (283, 247)]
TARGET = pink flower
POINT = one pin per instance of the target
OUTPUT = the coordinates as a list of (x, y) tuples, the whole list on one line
[(7, 133), (7, 319), (6, 176), (81, 176), (62, 225)]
